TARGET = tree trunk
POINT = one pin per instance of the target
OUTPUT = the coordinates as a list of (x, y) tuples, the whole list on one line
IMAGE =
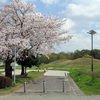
[(8, 69), (22, 73), (25, 70)]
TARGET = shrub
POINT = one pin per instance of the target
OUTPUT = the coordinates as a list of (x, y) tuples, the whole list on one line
[(5, 82)]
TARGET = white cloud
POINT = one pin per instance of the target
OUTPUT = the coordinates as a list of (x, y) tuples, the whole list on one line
[(49, 2), (84, 13), (69, 24), (79, 41), (84, 10)]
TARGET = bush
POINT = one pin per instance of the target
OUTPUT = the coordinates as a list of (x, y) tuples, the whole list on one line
[(5, 82)]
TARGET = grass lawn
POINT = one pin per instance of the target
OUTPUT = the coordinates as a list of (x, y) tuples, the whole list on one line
[(20, 80), (1, 72), (89, 84), (2, 67)]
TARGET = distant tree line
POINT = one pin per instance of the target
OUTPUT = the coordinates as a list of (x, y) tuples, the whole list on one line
[(70, 56), (52, 57), (79, 54)]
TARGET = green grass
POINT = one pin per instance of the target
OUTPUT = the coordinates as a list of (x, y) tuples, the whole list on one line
[(84, 63), (59, 63), (31, 75), (89, 84), (79, 64), (2, 67), (1, 72), (20, 79)]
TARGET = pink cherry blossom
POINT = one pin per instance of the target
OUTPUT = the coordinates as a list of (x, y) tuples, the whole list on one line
[(23, 27)]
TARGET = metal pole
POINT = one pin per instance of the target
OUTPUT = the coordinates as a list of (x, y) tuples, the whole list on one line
[(15, 66), (63, 86), (92, 51), (24, 86), (44, 86), (92, 32), (65, 74)]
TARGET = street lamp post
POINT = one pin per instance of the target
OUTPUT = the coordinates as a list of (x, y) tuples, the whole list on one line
[(91, 32), (14, 65)]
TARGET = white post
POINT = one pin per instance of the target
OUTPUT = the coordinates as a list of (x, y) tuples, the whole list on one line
[(14, 65)]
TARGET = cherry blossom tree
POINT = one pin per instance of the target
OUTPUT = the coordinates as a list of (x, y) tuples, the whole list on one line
[(23, 27)]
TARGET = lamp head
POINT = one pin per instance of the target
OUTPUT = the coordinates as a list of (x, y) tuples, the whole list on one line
[(91, 32)]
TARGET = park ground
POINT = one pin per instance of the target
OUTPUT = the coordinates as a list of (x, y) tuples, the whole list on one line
[(57, 94), (53, 90)]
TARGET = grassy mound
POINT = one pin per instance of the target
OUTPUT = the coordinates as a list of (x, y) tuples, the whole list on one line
[(84, 63), (77, 63), (58, 63)]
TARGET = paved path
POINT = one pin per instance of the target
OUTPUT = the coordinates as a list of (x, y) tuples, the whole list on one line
[(56, 73), (17, 72), (54, 84), (53, 89)]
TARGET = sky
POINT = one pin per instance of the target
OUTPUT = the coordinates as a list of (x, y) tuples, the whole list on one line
[(82, 16)]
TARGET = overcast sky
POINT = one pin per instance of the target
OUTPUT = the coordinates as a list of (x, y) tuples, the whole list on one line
[(82, 16)]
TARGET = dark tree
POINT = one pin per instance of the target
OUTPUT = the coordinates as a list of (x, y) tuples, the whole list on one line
[(27, 60)]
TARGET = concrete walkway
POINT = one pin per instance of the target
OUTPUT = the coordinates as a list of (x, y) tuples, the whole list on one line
[(17, 72), (54, 84), (56, 73), (54, 89)]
